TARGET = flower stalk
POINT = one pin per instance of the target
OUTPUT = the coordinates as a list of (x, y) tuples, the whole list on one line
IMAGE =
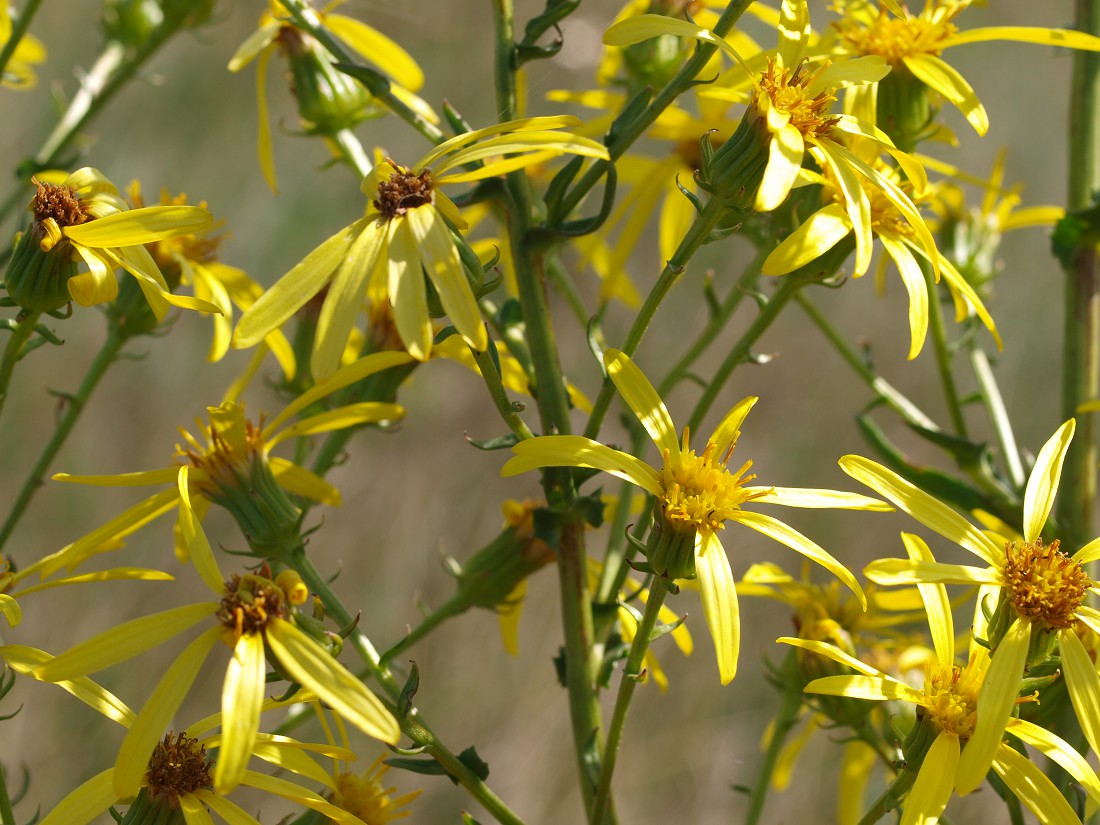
[(14, 350)]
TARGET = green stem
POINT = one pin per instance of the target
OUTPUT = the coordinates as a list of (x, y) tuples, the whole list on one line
[(353, 152), (680, 83), (7, 816), (493, 382), (785, 721), (308, 20), (19, 26), (1081, 345), (937, 329), (998, 415), (892, 397), (454, 606), (789, 285), (633, 672), (106, 356), (413, 724), (889, 798), (24, 328)]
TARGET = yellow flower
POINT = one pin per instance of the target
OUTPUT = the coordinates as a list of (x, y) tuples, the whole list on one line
[(829, 225), (696, 496), (19, 72), (177, 768), (404, 231), (229, 468), (963, 714), (259, 620), (192, 260), (328, 100), (912, 44), (82, 218), (366, 796), (1039, 590)]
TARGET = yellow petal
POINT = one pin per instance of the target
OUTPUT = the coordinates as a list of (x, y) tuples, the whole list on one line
[(85, 803), (198, 546), (1082, 684), (302, 482), (816, 235), (915, 285), (242, 696), (264, 151), (819, 499), (784, 160), (140, 226), (133, 757), (643, 400), (794, 32), (300, 795), (229, 811), (407, 292), (351, 415), (577, 451), (935, 781), (1066, 38), (924, 508), (27, 660), (1032, 787), (312, 667), (871, 688), (255, 43), (725, 434), (522, 125), (785, 534), (10, 609), (1057, 749), (894, 572), (125, 641), (719, 597), (1042, 484), (942, 77), (835, 653), (996, 699), (508, 615), (936, 603), (378, 49), (194, 812)]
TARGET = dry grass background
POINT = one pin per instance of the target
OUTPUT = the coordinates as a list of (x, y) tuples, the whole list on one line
[(189, 125)]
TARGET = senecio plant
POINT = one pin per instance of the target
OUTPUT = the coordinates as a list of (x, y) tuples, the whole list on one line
[(543, 249)]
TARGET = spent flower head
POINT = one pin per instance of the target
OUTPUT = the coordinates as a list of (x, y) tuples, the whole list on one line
[(696, 494)]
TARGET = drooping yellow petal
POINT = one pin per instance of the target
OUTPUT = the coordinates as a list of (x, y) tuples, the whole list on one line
[(784, 160), (577, 451), (939, 75), (1066, 38), (719, 597), (85, 803), (643, 400), (302, 482), (242, 696), (816, 235), (255, 43), (835, 653), (936, 604), (915, 285), (840, 163), (300, 795), (996, 699), (194, 812), (812, 498), (311, 666), (194, 538), (124, 641), (264, 150), (1082, 684), (1060, 751), (140, 226), (378, 49), (166, 475), (924, 508), (229, 811), (408, 294), (935, 781), (872, 688), (894, 572), (855, 774), (350, 415), (133, 757), (785, 534), (1031, 786), (114, 574), (291, 292), (26, 660), (1042, 484), (522, 125), (10, 610)]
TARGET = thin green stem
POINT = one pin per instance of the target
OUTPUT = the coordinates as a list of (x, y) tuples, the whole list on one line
[(789, 285), (566, 288), (413, 724), (493, 382), (892, 397), (888, 800), (20, 335), (75, 404), (1081, 343), (353, 152), (7, 816), (633, 672), (937, 329), (19, 26), (680, 83), (785, 720), (998, 415), (454, 606), (308, 20)]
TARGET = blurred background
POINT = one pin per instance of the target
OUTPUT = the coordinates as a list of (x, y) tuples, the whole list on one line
[(188, 125)]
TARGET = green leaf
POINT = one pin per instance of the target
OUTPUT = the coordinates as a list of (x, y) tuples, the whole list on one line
[(475, 763)]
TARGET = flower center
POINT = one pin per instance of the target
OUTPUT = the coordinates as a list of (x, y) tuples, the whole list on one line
[(58, 202), (893, 38), (234, 444), (952, 699), (787, 91), (403, 191), (249, 603), (178, 766), (699, 493), (1043, 583)]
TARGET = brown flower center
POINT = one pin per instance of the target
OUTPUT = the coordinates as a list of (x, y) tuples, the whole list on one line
[(249, 603), (178, 766), (1043, 583), (403, 191), (58, 202)]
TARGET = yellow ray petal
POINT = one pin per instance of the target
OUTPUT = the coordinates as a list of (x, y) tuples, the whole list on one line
[(194, 538), (194, 812), (834, 653), (27, 660), (577, 451), (242, 696), (895, 572), (408, 294), (1057, 749), (915, 285), (725, 434), (302, 482), (936, 605), (819, 499), (1066, 38), (10, 609), (1082, 684), (300, 795), (378, 49), (816, 235), (943, 78), (872, 688), (1042, 484), (229, 811), (719, 597), (935, 781), (1032, 787), (643, 400), (351, 415), (140, 226), (784, 160), (85, 803)]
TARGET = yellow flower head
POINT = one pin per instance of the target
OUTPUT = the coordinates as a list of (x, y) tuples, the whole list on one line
[(687, 487), (19, 71), (367, 796), (404, 233), (82, 218), (178, 767)]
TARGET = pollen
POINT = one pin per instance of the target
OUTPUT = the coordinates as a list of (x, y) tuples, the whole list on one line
[(403, 191), (952, 699), (699, 492), (1043, 583), (367, 796), (787, 91), (233, 444), (249, 603), (893, 39), (179, 765), (61, 203)]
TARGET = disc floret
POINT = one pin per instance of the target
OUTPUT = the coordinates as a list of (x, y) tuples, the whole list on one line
[(179, 766), (249, 603), (789, 91), (404, 190), (1043, 583), (952, 699), (893, 38)]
